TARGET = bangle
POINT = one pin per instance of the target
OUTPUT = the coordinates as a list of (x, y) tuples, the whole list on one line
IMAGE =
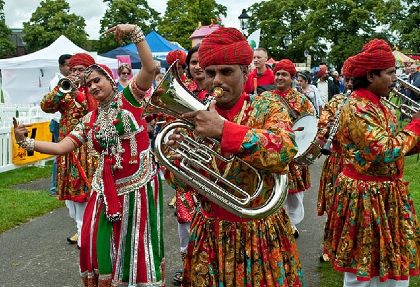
[(137, 35), (27, 144)]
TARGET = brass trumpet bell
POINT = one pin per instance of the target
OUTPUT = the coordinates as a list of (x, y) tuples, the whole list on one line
[(65, 86)]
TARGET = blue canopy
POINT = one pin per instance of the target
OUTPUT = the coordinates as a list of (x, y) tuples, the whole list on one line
[(158, 45)]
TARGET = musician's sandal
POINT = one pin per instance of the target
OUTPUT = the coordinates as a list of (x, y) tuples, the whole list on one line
[(177, 279)]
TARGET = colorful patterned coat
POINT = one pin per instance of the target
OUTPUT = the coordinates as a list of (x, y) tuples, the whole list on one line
[(299, 105), (226, 250), (74, 170), (125, 186), (372, 227), (333, 164)]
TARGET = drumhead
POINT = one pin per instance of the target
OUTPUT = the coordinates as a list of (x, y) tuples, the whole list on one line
[(304, 138)]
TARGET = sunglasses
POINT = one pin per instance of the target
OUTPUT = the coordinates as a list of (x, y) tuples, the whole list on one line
[(124, 73)]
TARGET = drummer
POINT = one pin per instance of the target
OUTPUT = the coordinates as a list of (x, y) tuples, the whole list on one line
[(298, 105)]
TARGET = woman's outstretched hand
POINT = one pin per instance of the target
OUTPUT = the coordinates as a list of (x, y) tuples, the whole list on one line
[(121, 31)]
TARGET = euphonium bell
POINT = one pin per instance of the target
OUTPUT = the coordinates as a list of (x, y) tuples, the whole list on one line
[(195, 167)]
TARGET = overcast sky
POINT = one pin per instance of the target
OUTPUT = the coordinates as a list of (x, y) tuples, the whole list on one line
[(19, 11)]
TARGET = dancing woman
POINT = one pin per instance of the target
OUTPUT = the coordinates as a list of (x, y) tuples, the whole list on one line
[(122, 241)]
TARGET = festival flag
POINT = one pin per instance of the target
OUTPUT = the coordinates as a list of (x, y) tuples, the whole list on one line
[(254, 39)]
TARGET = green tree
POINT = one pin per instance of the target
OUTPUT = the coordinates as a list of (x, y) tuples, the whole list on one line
[(123, 11), (50, 20), (346, 25), (403, 18), (7, 47), (331, 30), (283, 28), (182, 17)]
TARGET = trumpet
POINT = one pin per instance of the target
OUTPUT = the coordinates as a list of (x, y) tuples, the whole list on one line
[(404, 104), (65, 85)]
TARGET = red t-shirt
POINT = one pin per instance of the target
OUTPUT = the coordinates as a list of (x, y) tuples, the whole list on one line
[(267, 78)]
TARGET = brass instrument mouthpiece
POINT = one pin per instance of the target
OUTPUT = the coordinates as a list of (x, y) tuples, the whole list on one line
[(217, 92)]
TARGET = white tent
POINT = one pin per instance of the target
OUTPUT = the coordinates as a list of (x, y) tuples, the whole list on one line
[(25, 79)]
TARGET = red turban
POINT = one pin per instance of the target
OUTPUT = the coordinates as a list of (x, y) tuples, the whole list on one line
[(323, 70), (176, 55), (81, 59), (346, 68), (375, 55), (225, 46), (286, 65)]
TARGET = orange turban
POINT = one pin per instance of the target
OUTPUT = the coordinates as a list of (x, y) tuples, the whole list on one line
[(375, 55), (81, 59), (286, 65), (225, 46), (179, 55)]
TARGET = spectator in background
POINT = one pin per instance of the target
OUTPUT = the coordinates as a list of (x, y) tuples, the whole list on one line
[(310, 91), (414, 79), (63, 66), (124, 74), (263, 74), (326, 86)]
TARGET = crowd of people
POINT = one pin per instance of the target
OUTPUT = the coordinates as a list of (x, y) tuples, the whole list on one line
[(108, 175)]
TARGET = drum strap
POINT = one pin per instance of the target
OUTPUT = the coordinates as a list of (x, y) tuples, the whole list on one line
[(292, 113)]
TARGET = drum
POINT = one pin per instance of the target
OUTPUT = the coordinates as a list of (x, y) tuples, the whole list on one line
[(309, 149)]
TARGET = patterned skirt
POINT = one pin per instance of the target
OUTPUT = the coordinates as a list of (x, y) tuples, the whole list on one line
[(74, 170), (372, 229), (223, 253), (333, 165), (299, 178), (129, 251)]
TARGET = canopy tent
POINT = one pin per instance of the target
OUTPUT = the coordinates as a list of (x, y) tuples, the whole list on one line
[(26, 79), (271, 61), (401, 58), (159, 46)]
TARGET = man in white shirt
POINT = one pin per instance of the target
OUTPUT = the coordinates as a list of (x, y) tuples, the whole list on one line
[(326, 86)]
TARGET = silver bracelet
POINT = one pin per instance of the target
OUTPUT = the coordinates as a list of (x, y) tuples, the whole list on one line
[(27, 144), (137, 35)]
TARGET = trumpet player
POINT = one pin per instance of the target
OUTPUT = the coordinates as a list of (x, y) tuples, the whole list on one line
[(226, 249), (74, 170), (333, 164), (372, 231)]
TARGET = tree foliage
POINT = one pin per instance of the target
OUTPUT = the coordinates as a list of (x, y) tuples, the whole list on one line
[(6, 45), (123, 11), (51, 19), (181, 18), (331, 31)]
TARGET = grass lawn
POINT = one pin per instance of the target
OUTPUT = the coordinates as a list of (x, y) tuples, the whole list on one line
[(19, 206), (331, 278)]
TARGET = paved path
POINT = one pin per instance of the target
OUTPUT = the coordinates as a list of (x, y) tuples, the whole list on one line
[(37, 254)]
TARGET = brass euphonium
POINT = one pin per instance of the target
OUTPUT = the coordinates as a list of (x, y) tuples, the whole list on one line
[(195, 168), (404, 104)]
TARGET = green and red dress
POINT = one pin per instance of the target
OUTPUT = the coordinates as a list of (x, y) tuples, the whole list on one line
[(122, 236)]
